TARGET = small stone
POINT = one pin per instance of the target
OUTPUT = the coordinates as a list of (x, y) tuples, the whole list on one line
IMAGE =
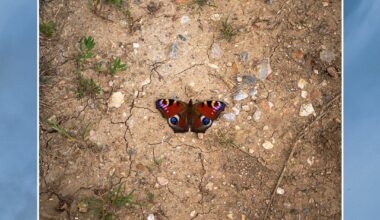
[(325, 3), (246, 108), (116, 100), (181, 37), (243, 217), (229, 64), (215, 17), (239, 79), (229, 117), (298, 56), (243, 56), (249, 80), (145, 82), (257, 115), (214, 66), (267, 145), (253, 92), (150, 217), (193, 213), (304, 94), (327, 56), (237, 127), (306, 110), (216, 51), (310, 160), (332, 72), (200, 135), (249, 117), (301, 83), (240, 95), (209, 186), (280, 191), (162, 181), (264, 69), (230, 216), (173, 50), (251, 151), (269, 2), (236, 109), (185, 19), (136, 45)]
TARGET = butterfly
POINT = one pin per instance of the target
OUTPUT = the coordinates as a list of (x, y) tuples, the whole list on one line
[(183, 116)]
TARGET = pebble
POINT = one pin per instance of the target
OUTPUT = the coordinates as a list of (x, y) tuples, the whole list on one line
[(257, 115), (246, 108), (209, 186), (145, 82), (306, 110), (216, 51), (243, 56), (301, 83), (136, 45), (116, 100), (303, 94), (215, 17), (280, 191), (230, 216), (214, 66), (193, 213), (181, 37), (243, 217), (236, 109), (240, 95), (332, 72), (264, 69), (229, 117), (310, 160), (267, 145), (249, 80), (150, 217), (162, 181), (173, 50), (239, 79), (185, 19), (327, 56)]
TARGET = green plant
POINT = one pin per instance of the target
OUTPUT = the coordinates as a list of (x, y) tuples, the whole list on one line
[(87, 87), (61, 130), (150, 197), (117, 3), (86, 44), (47, 28), (114, 199), (117, 66), (227, 32)]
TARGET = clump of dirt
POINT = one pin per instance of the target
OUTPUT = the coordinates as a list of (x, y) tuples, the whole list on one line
[(106, 152)]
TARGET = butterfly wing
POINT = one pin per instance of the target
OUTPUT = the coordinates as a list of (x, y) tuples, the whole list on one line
[(204, 113), (175, 112)]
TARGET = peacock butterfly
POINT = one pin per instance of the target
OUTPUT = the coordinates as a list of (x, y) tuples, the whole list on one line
[(183, 116)]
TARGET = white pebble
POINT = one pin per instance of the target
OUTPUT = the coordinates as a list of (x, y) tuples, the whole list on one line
[(306, 110), (185, 19), (267, 145), (280, 191), (116, 100)]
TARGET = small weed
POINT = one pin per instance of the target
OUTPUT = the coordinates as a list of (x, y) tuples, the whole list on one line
[(47, 28), (61, 130), (227, 32), (116, 3), (114, 199), (87, 87), (150, 197), (86, 44), (117, 66)]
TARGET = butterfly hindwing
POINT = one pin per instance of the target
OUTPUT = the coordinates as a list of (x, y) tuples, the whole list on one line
[(204, 113), (175, 112)]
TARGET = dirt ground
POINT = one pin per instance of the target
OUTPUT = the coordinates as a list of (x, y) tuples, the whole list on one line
[(274, 153)]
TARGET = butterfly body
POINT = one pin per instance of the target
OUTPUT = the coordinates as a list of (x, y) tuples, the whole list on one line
[(183, 117)]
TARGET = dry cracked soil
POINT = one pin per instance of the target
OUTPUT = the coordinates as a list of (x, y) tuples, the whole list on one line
[(107, 153)]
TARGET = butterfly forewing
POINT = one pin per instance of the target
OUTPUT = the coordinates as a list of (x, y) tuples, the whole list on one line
[(171, 109)]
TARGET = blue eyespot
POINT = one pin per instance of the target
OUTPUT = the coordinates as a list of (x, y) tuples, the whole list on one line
[(173, 120), (205, 121)]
